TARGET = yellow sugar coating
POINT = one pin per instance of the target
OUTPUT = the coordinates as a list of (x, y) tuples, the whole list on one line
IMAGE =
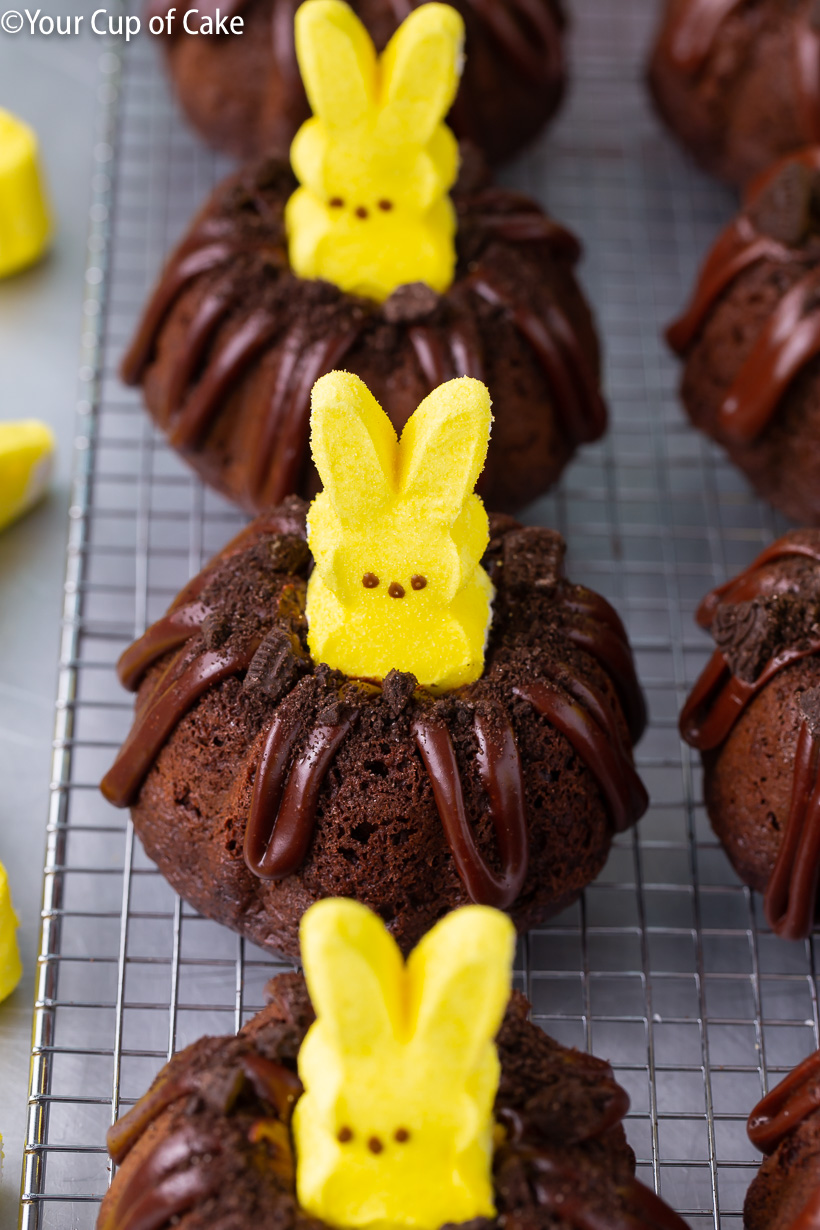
[(375, 162), (397, 534), (395, 1127), (26, 463), (11, 970), (24, 221)]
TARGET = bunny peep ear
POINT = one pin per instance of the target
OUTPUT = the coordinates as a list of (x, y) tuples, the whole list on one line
[(354, 973), (443, 448), (337, 61), (460, 979), (420, 70), (354, 446)]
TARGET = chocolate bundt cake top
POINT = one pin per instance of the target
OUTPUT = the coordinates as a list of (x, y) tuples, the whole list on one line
[(780, 223), (694, 28), (209, 1145), (528, 32), (737, 80), (763, 621), (244, 616), (249, 304), (785, 1125)]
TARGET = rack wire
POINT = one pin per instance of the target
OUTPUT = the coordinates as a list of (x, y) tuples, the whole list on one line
[(666, 966)]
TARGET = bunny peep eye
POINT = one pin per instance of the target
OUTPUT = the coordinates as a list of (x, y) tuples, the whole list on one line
[(344, 1135), (396, 590), (401, 1136), (375, 1145), (336, 202), (370, 580), (385, 205), (361, 212), (418, 581)]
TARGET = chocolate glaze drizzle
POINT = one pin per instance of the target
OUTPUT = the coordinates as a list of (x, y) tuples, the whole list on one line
[(777, 1115), (500, 770), (296, 755), (715, 705), (786, 1106), (791, 336), (208, 367), (690, 40), (158, 1190), (579, 404), (559, 1188)]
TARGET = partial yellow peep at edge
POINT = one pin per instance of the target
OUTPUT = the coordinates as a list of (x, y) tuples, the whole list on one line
[(26, 463), (397, 534), (11, 969), (400, 1069), (375, 162), (25, 226)]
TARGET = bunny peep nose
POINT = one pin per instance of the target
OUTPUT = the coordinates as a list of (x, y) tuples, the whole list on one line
[(397, 534), (375, 163), (400, 1070)]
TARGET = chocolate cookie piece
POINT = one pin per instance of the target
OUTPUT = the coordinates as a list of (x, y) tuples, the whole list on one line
[(259, 786), (736, 80), (750, 339), (785, 1125), (232, 342), (244, 94), (754, 714), (209, 1146)]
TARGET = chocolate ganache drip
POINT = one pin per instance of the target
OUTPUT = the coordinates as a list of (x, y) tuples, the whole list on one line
[(226, 335), (193, 648), (779, 218), (216, 1078), (753, 655), (786, 1106), (559, 1189), (691, 37), (779, 1114)]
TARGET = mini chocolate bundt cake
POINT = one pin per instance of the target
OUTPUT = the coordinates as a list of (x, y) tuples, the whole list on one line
[(209, 1147), (232, 342), (750, 339), (737, 80), (754, 714), (260, 782), (244, 95), (785, 1125)]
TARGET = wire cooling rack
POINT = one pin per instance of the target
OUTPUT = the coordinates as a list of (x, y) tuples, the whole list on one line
[(666, 967)]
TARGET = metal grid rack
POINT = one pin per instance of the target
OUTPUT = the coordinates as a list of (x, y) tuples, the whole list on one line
[(666, 967)]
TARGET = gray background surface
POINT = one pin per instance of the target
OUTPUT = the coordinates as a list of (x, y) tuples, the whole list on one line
[(52, 84)]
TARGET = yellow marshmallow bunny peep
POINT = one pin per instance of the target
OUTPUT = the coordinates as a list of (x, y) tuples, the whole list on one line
[(397, 534), (375, 162), (400, 1068), (11, 970)]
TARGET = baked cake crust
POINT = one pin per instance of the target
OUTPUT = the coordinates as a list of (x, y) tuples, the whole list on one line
[(232, 342), (755, 716), (259, 782), (209, 1146)]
